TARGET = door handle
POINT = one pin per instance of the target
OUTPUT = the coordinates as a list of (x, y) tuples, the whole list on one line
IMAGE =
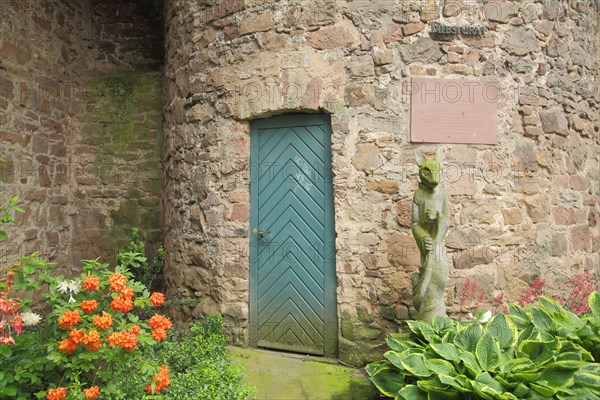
[(262, 232)]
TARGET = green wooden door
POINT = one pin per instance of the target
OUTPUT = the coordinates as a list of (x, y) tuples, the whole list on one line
[(292, 257)]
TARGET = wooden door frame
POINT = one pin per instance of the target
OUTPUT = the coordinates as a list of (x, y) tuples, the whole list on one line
[(330, 334)]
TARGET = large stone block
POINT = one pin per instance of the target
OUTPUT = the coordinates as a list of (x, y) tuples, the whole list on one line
[(403, 252), (554, 121), (330, 38), (500, 11), (424, 50), (520, 41), (367, 158)]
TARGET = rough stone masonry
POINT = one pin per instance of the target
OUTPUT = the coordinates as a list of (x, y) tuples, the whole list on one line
[(524, 208)]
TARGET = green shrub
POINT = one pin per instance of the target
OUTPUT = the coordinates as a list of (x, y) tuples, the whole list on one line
[(544, 352), (26, 369), (133, 258), (200, 364)]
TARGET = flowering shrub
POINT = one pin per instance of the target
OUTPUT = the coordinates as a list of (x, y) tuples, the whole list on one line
[(10, 320), (98, 343), (581, 286), (533, 292), (577, 301)]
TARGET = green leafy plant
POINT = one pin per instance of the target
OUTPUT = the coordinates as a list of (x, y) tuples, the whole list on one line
[(200, 363), (133, 258), (97, 342), (7, 213), (544, 352)]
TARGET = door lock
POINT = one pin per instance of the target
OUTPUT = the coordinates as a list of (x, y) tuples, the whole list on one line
[(262, 232)]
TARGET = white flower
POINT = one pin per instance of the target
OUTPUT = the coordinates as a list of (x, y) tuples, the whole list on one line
[(30, 318), (486, 317), (72, 300), (63, 286), (74, 286)]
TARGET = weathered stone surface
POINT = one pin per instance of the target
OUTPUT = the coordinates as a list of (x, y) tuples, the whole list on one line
[(367, 158), (412, 28), (256, 23), (403, 252), (554, 121), (423, 50), (370, 261), (382, 57), (520, 41), (551, 9), (359, 95), (362, 66), (404, 213), (500, 10), (386, 186), (581, 238), (330, 38), (512, 216), (453, 8), (473, 257), (393, 33)]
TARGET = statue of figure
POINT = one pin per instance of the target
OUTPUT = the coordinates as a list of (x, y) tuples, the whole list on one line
[(429, 225)]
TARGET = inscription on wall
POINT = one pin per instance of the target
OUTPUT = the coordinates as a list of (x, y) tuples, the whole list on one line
[(441, 29), (453, 111)]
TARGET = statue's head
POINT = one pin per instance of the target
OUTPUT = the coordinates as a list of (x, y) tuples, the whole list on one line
[(430, 169)]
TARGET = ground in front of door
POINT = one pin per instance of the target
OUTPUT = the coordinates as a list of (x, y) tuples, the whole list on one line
[(284, 376)]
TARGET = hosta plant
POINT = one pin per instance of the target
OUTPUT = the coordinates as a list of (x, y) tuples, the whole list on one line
[(543, 352)]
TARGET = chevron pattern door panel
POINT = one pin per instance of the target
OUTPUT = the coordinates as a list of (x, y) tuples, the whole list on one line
[(292, 271)]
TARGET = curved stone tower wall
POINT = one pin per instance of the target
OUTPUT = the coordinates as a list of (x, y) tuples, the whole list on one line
[(523, 208)]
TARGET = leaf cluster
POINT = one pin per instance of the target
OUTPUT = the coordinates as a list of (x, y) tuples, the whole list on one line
[(543, 352), (133, 258), (200, 364)]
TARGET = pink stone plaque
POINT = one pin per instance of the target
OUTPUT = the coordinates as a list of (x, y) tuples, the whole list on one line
[(453, 111)]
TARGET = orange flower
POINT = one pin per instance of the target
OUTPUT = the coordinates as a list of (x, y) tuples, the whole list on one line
[(92, 392), (103, 321), (129, 340), (90, 283), (159, 334), (122, 303), (162, 380), (67, 346), (135, 329), (92, 340), (89, 306), (68, 319), (57, 394), (117, 282), (157, 299), (158, 321), (76, 336), (114, 339), (125, 339)]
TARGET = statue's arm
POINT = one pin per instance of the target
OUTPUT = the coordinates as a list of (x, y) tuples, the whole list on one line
[(421, 235), (443, 217)]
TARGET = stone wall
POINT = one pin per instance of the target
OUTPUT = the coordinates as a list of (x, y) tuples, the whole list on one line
[(117, 174), (523, 208), (80, 124), (41, 44)]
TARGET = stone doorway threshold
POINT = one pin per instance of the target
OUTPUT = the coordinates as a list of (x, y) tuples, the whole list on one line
[(286, 376)]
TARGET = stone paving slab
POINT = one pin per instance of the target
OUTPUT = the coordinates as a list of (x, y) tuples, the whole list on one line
[(285, 376)]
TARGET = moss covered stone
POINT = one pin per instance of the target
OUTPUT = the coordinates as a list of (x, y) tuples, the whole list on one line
[(122, 126)]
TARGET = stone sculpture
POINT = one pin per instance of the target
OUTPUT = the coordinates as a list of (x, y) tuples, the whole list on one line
[(429, 225)]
